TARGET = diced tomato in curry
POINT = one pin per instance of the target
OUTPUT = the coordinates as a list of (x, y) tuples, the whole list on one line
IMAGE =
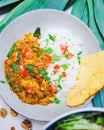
[(24, 77)]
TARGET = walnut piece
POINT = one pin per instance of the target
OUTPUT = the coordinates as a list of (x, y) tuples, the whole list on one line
[(13, 113), (12, 128), (3, 112), (26, 124)]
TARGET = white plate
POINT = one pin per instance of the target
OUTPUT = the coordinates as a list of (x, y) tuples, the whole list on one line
[(46, 19)]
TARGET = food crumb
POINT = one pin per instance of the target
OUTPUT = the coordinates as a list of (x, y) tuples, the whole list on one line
[(13, 112), (12, 128), (3, 112), (26, 124)]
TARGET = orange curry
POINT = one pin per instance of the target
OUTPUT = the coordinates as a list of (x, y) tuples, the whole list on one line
[(25, 71)]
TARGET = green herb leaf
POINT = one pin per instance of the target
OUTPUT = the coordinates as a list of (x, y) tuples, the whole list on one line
[(38, 54), (59, 86), (57, 101), (45, 95), (66, 54), (42, 71), (2, 81), (47, 50), (52, 38), (30, 67), (60, 78), (78, 55), (47, 42), (46, 77), (50, 83), (8, 76), (14, 67), (18, 56), (55, 58), (64, 66), (11, 50), (11, 83), (37, 32)]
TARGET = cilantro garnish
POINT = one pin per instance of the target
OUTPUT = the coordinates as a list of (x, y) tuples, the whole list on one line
[(64, 66), (52, 38), (37, 32), (60, 78), (30, 67), (47, 50), (14, 67), (55, 58), (78, 55), (8, 76), (57, 101), (2, 81)]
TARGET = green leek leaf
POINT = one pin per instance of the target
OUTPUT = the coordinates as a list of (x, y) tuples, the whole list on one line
[(28, 5), (92, 24), (7, 2), (78, 8), (99, 14)]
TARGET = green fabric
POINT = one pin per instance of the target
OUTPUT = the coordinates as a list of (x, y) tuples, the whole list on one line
[(28, 5), (85, 10)]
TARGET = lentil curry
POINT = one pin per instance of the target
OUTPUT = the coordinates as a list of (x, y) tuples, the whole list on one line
[(25, 71)]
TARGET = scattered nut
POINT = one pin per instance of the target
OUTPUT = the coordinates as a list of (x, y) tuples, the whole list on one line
[(12, 128), (26, 124), (3, 112), (13, 113)]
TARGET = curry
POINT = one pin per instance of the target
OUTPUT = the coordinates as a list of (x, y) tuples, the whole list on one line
[(26, 71)]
